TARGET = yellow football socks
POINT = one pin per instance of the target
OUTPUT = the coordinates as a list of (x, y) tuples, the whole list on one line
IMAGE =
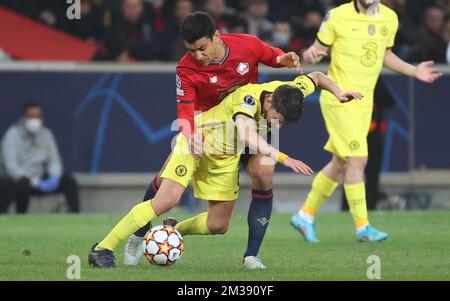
[(138, 217), (322, 188), (356, 196), (194, 226)]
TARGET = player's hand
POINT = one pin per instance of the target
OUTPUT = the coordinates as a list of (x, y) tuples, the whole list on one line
[(298, 166), (290, 60), (196, 145), (349, 96), (425, 73), (313, 55)]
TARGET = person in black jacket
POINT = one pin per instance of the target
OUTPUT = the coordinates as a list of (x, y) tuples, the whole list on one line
[(132, 36)]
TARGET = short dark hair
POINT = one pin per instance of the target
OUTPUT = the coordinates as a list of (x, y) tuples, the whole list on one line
[(196, 26), (288, 101), (30, 105)]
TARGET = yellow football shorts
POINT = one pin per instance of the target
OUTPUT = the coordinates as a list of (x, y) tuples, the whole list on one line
[(348, 126), (213, 179)]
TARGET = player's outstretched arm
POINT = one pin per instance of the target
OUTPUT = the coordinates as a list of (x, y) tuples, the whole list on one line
[(326, 83), (315, 53), (246, 129), (423, 72)]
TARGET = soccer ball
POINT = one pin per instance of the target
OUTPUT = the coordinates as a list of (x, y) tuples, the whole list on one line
[(163, 245)]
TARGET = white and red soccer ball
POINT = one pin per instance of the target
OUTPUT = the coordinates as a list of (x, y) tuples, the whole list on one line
[(163, 245)]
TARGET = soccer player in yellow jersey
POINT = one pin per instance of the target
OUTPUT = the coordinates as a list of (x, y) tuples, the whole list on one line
[(215, 174), (360, 35)]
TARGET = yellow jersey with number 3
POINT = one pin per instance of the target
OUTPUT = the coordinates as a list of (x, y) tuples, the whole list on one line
[(358, 45)]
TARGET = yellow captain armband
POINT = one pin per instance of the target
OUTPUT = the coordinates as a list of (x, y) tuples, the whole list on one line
[(281, 157)]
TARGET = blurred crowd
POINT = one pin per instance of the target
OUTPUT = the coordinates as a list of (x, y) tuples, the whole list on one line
[(147, 30)]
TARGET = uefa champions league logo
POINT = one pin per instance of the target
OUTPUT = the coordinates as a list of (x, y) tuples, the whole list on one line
[(74, 10)]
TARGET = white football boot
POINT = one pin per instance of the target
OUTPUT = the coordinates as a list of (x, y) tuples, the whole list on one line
[(133, 250), (253, 263)]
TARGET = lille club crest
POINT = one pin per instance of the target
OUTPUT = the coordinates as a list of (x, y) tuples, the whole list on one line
[(243, 68)]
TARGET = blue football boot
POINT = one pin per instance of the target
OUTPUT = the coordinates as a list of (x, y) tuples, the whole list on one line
[(306, 229), (370, 234)]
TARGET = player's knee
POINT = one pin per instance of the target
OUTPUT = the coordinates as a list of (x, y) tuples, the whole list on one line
[(339, 164), (262, 177), (158, 181), (218, 227), (163, 203), (357, 162)]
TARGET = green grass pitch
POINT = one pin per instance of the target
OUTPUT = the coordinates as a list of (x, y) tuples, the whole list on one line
[(418, 249)]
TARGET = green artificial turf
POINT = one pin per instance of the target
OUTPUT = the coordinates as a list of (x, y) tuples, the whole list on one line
[(36, 247)]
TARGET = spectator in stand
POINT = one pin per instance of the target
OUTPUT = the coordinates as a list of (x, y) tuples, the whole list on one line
[(283, 37), (32, 160), (326, 5), (447, 39), (309, 26), (407, 29), (444, 5), (173, 44), (222, 15), (282, 9), (89, 27), (256, 22), (131, 36), (430, 44), (157, 12)]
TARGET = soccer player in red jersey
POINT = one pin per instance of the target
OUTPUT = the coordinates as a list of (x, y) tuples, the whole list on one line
[(215, 66)]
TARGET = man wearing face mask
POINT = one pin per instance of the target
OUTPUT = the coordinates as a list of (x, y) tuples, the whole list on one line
[(281, 35), (31, 158)]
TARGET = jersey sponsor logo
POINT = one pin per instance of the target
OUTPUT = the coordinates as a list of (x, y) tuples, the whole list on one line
[(384, 31), (248, 99), (213, 80), (371, 29), (370, 57), (178, 80), (354, 145), (243, 68), (181, 170), (180, 92)]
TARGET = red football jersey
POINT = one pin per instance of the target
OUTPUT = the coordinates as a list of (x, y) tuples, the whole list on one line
[(201, 87)]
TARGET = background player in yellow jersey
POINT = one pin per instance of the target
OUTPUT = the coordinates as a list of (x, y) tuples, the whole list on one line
[(360, 35), (215, 174)]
